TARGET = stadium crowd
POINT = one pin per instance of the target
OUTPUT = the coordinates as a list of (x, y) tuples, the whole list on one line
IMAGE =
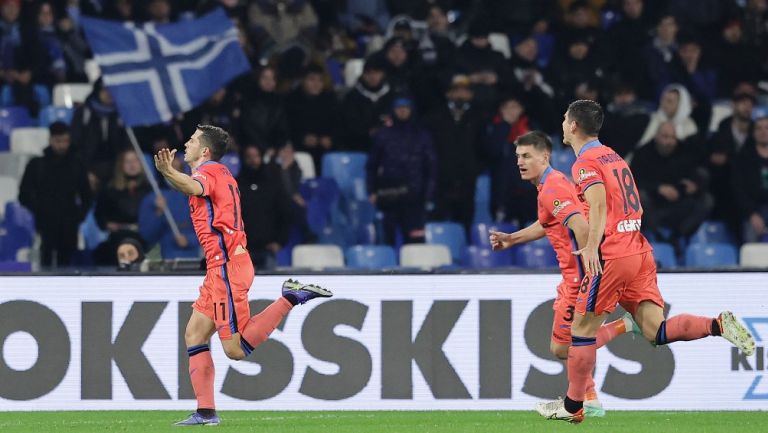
[(433, 93)]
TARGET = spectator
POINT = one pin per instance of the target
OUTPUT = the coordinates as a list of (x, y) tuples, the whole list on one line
[(736, 59), (567, 70), (159, 11), (456, 135), (661, 59), (672, 186), (313, 112), (624, 42), (10, 34), (401, 174), (263, 119), (130, 254), (580, 22), (219, 109), (366, 106), (278, 24), (98, 132), (750, 183), (675, 106), (512, 199), (55, 189), (49, 66), (75, 49), (290, 175), (358, 14), (22, 89), (537, 95), (700, 79), (626, 119), (123, 249), (119, 10), (117, 205), (400, 64)]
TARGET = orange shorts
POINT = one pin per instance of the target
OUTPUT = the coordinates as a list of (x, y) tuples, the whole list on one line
[(564, 308), (224, 295), (626, 281)]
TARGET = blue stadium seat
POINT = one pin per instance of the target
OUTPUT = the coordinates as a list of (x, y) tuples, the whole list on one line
[(712, 231), (232, 161), (562, 160), (370, 256), (14, 266), (536, 255), (321, 196), (52, 113), (19, 229), (664, 254), (711, 255), (348, 170), (483, 199), (92, 233), (481, 257), (12, 117), (360, 217), (449, 234), (42, 95), (479, 232)]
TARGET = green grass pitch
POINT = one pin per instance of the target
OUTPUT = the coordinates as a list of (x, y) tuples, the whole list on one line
[(385, 421)]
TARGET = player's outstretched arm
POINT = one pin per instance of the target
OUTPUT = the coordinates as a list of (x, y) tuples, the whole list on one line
[(595, 196), (502, 241), (176, 179)]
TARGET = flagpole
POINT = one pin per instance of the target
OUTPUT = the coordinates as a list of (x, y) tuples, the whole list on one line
[(152, 181)]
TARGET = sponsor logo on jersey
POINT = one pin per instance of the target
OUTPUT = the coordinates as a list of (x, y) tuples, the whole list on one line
[(559, 206), (625, 226), (584, 174)]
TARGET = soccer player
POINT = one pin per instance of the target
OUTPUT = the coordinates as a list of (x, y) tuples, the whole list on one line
[(561, 218), (222, 306), (619, 264)]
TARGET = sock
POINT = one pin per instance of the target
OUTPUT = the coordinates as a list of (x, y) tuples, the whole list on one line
[(290, 297), (609, 331), (207, 412), (716, 332), (259, 326), (581, 363), (683, 327), (201, 373), (590, 393)]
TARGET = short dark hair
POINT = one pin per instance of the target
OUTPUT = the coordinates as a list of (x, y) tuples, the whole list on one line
[(58, 128), (538, 139), (215, 139), (588, 115)]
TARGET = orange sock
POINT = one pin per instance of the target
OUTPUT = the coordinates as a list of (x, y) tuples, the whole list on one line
[(581, 363), (609, 331), (591, 394), (201, 372), (259, 327), (684, 327)]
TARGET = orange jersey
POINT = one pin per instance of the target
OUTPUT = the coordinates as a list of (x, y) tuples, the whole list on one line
[(216, 213), (598, 164), (558, 202)]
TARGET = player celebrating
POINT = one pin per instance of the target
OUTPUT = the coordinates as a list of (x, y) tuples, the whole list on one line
[(560, 218), (222, 306), (619, 264)]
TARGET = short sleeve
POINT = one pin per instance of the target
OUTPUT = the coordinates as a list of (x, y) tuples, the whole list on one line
[(586, 173), (560, 201), (205, 178)]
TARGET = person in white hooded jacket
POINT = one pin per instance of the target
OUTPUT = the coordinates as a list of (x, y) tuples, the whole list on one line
[(674, 106)]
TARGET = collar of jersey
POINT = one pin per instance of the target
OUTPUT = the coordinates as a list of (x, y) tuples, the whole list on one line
[(590, 145), (545, 174), (210, 161)]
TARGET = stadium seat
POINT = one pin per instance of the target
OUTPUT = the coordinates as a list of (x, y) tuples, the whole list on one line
[(93, 235), (19, 230), (29, 141), (353, 68), (348, 170), (306, 165), (754, 255), (480, 231), (12, 117), (536, 255), (712, 231), (370, 256), (9, 190), (483, 199), (481, 257), (321, 196), (664, 254), (13, 165), (562, 160), (52, 113), (500, 42), (71, 94), (449, 234), (720, 110), (360, 217), (92, 70), (42, 96), (424, 256), (232, 161), (14, 266), (710, 255), (317, 256)]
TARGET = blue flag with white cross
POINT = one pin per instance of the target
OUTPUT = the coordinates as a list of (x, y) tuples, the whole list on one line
[(156, 71)]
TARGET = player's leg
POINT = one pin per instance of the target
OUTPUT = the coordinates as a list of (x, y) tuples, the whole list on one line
[(201, 369)]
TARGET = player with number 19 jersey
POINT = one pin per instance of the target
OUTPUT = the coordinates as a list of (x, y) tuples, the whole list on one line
[(629, 272)]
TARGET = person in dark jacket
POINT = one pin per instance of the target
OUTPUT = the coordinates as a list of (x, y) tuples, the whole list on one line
[(55, 189), (750, 182), (117, 205), (401, 172), (262, 114), (366, 106), (266, 208), (673, 188)]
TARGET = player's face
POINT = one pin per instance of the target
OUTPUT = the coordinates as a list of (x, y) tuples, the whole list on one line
[(568, 127), (193, 149), (531, 162)]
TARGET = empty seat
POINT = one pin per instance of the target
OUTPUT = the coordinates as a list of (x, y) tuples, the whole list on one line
[(536, 255), (321, 196), (712, 231), (42, 96), (710, 255), (481, 231), (664, 254), (232, 161), (480, 257), (483, 199), (9, 190), (10, 118), (70, 94), (53, 113), (13, 165), (317, 256), (348, 170), (370, 256), (754, 255), (306, 165), (29, 141), (449, 234), (424, 256)]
